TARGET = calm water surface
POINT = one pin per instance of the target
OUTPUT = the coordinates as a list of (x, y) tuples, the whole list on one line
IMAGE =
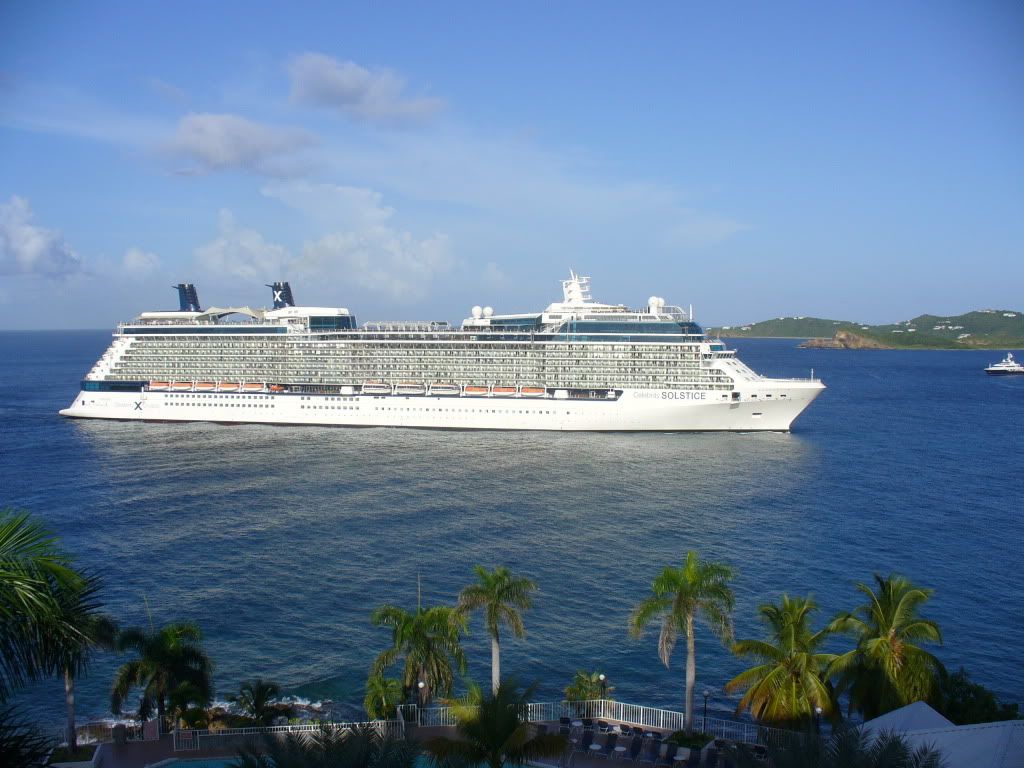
[(279, 541)]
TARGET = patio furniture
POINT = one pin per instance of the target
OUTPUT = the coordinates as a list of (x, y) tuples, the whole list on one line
[(609, 745), (635, 746), (586, 741), (602, 726)]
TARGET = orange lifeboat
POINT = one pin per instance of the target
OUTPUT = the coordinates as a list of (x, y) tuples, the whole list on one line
[(181, 386), (253, 387), (228, 386), (205, 386), (158, 385), (276, 388), (532, 391), (503, 390), (475, 391)]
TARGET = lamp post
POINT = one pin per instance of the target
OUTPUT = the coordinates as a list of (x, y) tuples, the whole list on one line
[(817, 719), (707, 693), (604, 685)]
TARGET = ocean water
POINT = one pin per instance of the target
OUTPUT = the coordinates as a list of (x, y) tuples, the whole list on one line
[(280, 541)]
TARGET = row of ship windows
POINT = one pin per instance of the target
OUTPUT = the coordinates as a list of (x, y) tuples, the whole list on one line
[(226, 405)]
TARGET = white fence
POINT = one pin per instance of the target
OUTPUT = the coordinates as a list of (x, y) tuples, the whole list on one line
[(665, 720), (190, 740)]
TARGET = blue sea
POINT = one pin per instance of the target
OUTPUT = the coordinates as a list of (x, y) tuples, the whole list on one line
[(279, 541)]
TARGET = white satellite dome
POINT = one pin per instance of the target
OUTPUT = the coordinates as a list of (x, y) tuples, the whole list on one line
[(488, 311), (653, 302), (476, 312)]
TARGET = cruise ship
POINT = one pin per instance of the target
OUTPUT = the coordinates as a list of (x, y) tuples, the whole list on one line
[(579, 365)]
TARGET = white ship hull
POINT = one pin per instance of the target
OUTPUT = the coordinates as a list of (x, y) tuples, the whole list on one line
[(770, 405)]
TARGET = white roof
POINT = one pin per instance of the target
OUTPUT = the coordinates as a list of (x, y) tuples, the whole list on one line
[(272, 314), (986, 745), (913, 717)]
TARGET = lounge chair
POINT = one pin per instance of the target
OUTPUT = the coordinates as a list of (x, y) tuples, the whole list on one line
[(586, 741), (588, 723), (651, 749), (602, 726), (635, 746), (609, 745)]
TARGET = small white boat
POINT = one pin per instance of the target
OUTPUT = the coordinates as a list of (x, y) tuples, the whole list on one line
[(376, 388), (445, 390), (1007, 367), (410, 388)]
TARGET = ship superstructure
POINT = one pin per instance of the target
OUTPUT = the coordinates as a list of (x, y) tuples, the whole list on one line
[(578, 365)]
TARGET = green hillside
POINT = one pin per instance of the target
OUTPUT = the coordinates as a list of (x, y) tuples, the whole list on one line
[(997, 328)]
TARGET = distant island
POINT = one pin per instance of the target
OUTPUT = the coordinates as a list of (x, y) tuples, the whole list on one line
[(982, 329)]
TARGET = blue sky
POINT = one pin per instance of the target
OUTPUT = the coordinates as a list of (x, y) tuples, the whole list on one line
[(849, 160)]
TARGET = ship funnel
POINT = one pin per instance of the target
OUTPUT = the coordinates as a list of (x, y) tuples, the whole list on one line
[(282, 295), (188, 299)]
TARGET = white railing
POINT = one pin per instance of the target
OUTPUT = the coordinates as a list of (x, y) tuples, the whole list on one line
[(664, 720), (189, 740)]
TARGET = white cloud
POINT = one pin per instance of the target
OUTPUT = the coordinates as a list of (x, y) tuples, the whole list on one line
[(29, 249), (241, 252), (139, 262), (380, 260), (492, 274), (212, 142), (322, 81), (363, 245)]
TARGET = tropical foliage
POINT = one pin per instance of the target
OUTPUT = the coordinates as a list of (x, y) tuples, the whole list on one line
[(888, 668), (791, 681), (256, 699), (33, 570), (851, 747), (496, 733), (679, 597), (965, 702), (586, 686), (428, 639), (501, 596), (383, 695), (330, 747), (21, 745), (170, 667), (68, 640)]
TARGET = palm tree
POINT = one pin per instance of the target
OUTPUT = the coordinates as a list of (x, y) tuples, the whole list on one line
[(496, 734), (586, 686), (793, 680), (888, 669), (501, 596), (428, 639), (168, 659), (32, 569), (68, 640), (843, 747), (332, 747), (383, 695), (679, 597), (256, 699)]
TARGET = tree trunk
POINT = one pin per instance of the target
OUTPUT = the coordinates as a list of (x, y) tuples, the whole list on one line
[(69, 700), (691, 672), (495, 663)]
